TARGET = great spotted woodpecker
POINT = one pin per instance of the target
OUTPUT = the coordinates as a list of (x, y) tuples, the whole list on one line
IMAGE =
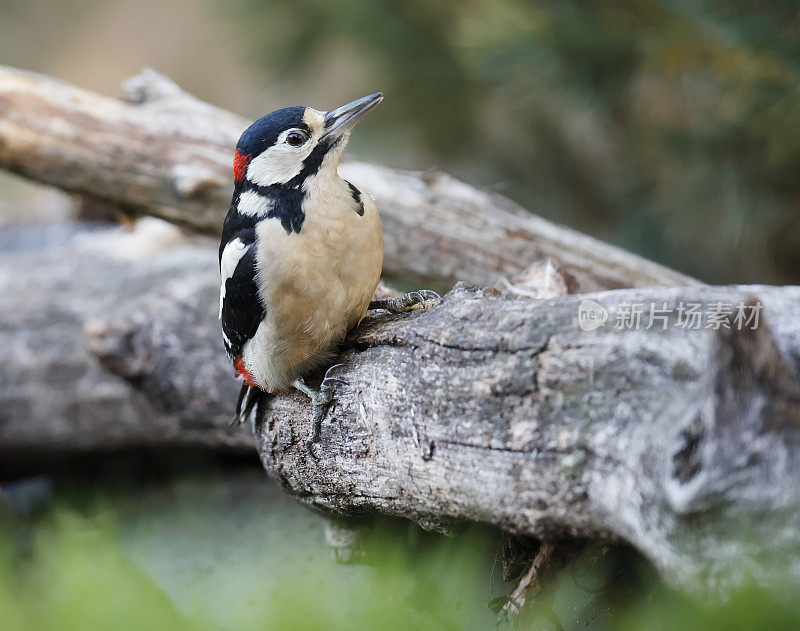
[(300, 256)]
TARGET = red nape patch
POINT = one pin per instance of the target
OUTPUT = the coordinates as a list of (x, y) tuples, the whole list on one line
[(242, 370), (240, 162)]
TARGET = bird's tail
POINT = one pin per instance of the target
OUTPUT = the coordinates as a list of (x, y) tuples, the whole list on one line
[(249, 398)]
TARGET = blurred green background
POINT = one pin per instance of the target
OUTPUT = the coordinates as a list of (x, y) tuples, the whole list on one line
[(669, 127), (187, 541)]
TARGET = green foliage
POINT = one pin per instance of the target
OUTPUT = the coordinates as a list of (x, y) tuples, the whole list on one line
[(212, 553), (671, 127), (78, 578), (232, 552)]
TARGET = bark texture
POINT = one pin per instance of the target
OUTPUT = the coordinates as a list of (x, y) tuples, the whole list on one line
[(109, 339), (502, 410), (55, 284), (488, 407), (165, 153)]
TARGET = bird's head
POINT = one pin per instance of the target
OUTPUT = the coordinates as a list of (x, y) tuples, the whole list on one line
[(288, 145)]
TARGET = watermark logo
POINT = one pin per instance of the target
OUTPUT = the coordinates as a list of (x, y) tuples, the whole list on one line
[(683, 315), (591, 315)]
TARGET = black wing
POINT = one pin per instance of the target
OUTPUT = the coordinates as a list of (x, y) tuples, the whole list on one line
[(242, 310)]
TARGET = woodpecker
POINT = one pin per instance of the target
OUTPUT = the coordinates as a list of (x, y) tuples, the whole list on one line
[(300, 256)]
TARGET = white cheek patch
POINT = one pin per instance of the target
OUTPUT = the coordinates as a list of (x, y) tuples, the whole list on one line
[(254, 205), (231, 256), (278, 164)]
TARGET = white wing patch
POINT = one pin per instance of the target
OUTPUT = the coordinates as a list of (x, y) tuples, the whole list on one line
[(253, 204), (231, 256)]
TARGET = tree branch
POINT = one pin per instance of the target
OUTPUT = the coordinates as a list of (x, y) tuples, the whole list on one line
[(165, 153), (55, 396), (488, 407), (500, 409)]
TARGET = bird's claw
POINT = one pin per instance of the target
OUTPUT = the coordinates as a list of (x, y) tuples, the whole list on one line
[(429, 294), (408, 302), (420, 297), (328, 380), (329, 377), (321, 401)]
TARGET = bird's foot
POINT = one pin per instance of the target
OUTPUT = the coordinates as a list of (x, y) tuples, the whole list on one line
[(422, 299), (321, 400)]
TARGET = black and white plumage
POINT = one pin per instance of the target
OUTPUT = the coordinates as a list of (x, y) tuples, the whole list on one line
[(301, 249)]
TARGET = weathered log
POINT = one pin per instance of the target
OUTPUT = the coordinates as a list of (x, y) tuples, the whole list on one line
[(681, 442), (487, 407), (57, 397), (57, 286), (501, 409), (166, 153)]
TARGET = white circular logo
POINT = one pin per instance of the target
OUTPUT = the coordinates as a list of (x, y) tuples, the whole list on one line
[(591, 315)]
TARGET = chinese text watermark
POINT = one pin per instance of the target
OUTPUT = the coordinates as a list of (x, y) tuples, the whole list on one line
[(661, 315)]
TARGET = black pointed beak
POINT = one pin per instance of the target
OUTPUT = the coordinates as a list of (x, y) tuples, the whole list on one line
[(342, 119)]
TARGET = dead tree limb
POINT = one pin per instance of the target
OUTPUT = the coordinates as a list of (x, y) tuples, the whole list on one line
[(488, 407), (496, 409), (500, 409), (57, 287), (165, 153), (55, 396)]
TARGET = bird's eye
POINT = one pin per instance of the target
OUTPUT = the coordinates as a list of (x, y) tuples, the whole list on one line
[(296, 138)]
